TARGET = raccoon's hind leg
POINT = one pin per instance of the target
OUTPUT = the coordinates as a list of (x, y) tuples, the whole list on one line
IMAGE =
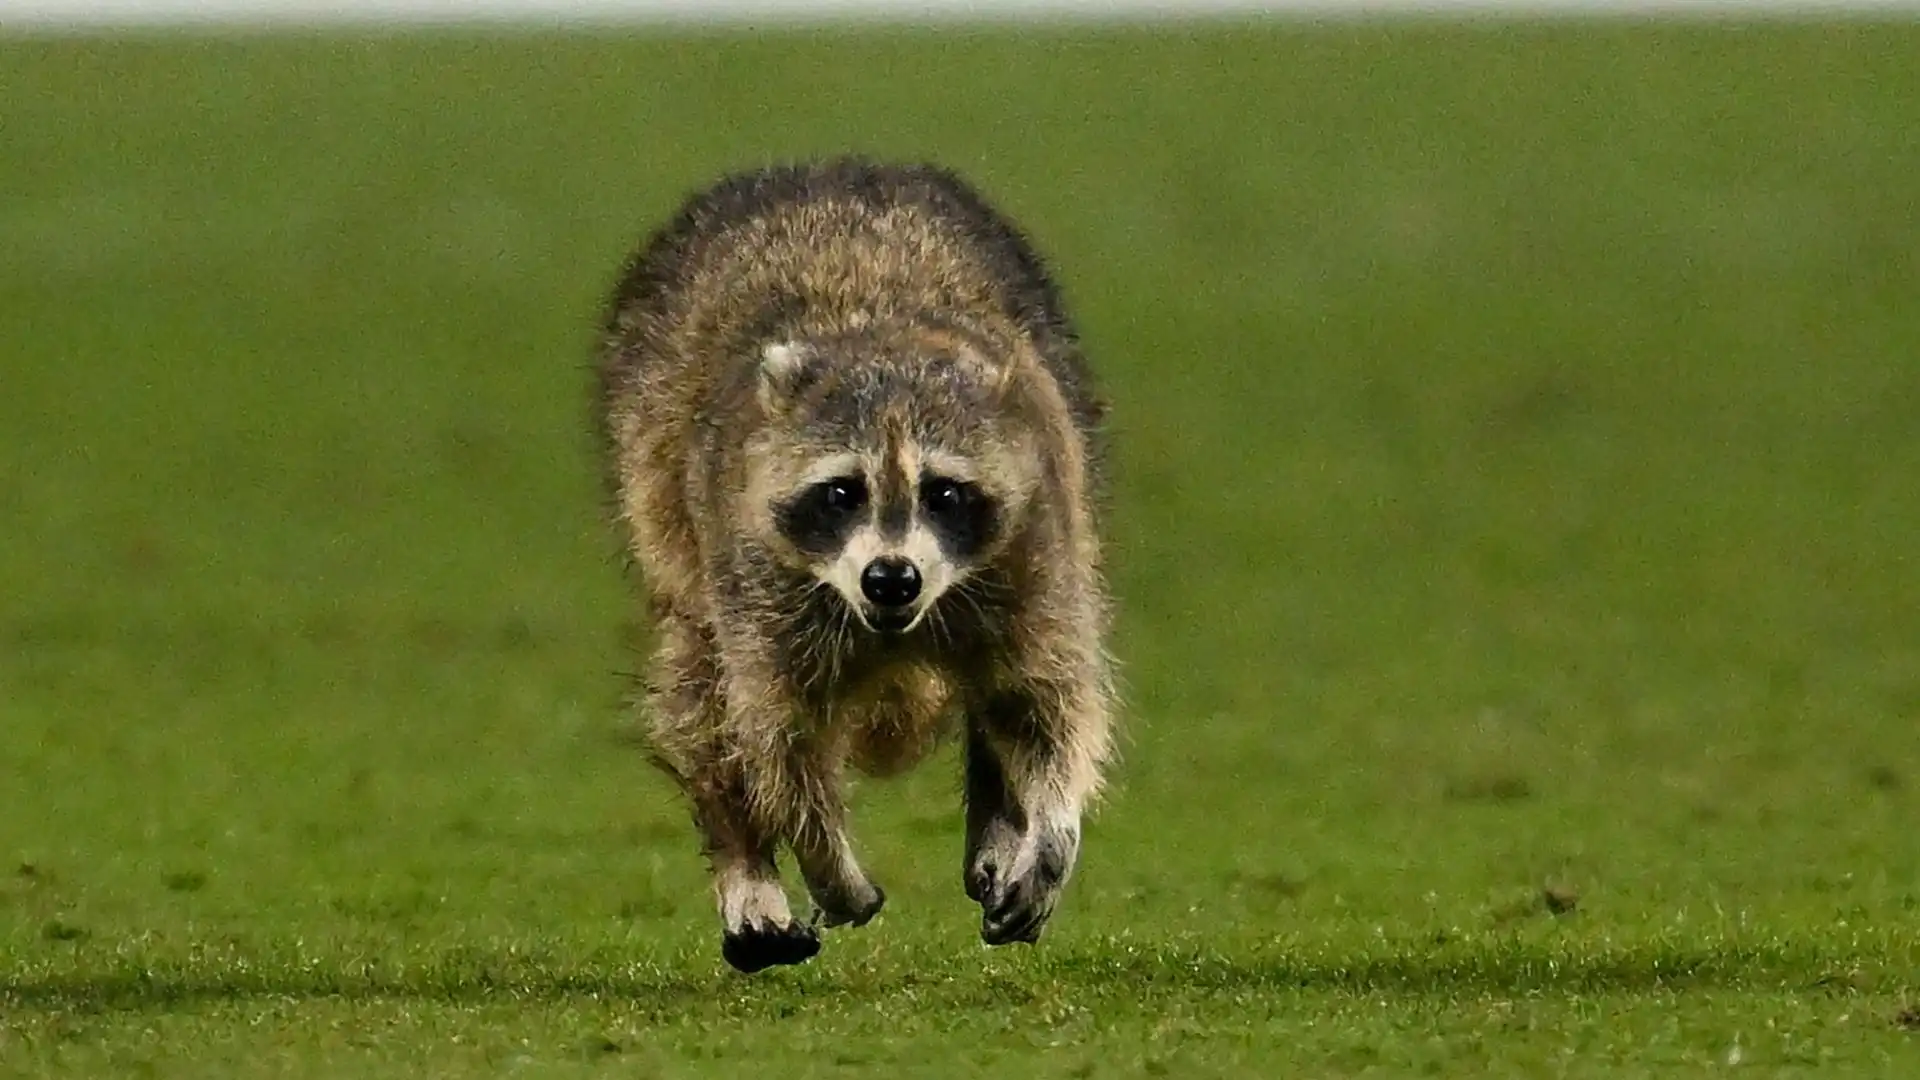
[(689, 742), (1032, 763), (799, 789), (842, 892)]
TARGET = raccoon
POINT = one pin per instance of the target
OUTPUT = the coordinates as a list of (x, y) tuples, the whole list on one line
[(856, 453)]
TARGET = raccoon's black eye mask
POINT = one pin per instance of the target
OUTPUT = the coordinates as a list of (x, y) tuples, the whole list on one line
[(818, 519), (963, 516)]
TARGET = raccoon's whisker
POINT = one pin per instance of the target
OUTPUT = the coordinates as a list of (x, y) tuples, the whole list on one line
[(834, 639), (986, 586), (967, 591), (937, 624), (827, 639), (818, 639)]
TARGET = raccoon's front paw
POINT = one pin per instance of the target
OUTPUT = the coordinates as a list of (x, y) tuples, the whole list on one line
[(756, 946), (848, 907), (1017, 882)]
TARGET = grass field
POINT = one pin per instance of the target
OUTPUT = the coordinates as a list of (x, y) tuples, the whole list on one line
[(1520, 452)]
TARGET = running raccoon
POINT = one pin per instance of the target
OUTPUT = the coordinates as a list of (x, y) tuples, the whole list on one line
[(856, 454)]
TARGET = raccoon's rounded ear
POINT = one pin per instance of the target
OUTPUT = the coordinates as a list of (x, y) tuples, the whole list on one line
[(992, 372), (785, 368)]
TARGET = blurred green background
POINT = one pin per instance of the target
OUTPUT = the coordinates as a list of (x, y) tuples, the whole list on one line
[(1519, 437)]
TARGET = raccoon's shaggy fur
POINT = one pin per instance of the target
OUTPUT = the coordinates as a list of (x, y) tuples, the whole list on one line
[(809, 370)]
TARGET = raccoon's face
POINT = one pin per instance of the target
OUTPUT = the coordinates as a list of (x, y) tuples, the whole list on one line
[(899, 484), (891, 533)]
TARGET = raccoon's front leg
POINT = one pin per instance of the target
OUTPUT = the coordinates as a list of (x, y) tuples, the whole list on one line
[(692, 742), (1029, 775), (758, 926)]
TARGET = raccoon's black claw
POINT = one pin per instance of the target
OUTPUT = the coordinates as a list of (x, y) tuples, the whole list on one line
[(1019, 914), (1011, 910), (857, 913), (1023, 928), (755, 947)]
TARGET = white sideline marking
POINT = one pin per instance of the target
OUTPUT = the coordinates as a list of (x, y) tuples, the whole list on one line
[(78, 14)]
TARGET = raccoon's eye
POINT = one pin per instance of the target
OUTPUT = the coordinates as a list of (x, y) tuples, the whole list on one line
[(943, 497), (844, 495), (964, 517), (816, 520)]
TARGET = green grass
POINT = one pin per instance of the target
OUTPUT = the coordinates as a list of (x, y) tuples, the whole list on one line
[(1520, 439)]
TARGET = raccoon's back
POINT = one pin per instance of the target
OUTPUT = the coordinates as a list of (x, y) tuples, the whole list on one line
[(791, 250)]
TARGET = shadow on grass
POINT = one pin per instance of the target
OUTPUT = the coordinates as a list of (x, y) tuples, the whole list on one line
[(1114, 969)]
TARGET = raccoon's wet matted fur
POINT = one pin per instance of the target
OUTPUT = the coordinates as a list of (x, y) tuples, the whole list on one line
[(856, 451)]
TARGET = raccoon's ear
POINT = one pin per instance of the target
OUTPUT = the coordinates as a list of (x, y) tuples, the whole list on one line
[(785, 368), (992, 372)]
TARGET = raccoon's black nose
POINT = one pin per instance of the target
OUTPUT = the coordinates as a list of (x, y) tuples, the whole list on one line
[(890, 582)]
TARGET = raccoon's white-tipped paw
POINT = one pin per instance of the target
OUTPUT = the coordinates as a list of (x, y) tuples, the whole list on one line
[(857, 911), (755, 947), (1017, 891)]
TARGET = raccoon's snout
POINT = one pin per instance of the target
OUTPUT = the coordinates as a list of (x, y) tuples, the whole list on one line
[(890, 582)]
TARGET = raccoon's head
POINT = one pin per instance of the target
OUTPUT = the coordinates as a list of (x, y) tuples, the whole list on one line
[(891, 472)]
